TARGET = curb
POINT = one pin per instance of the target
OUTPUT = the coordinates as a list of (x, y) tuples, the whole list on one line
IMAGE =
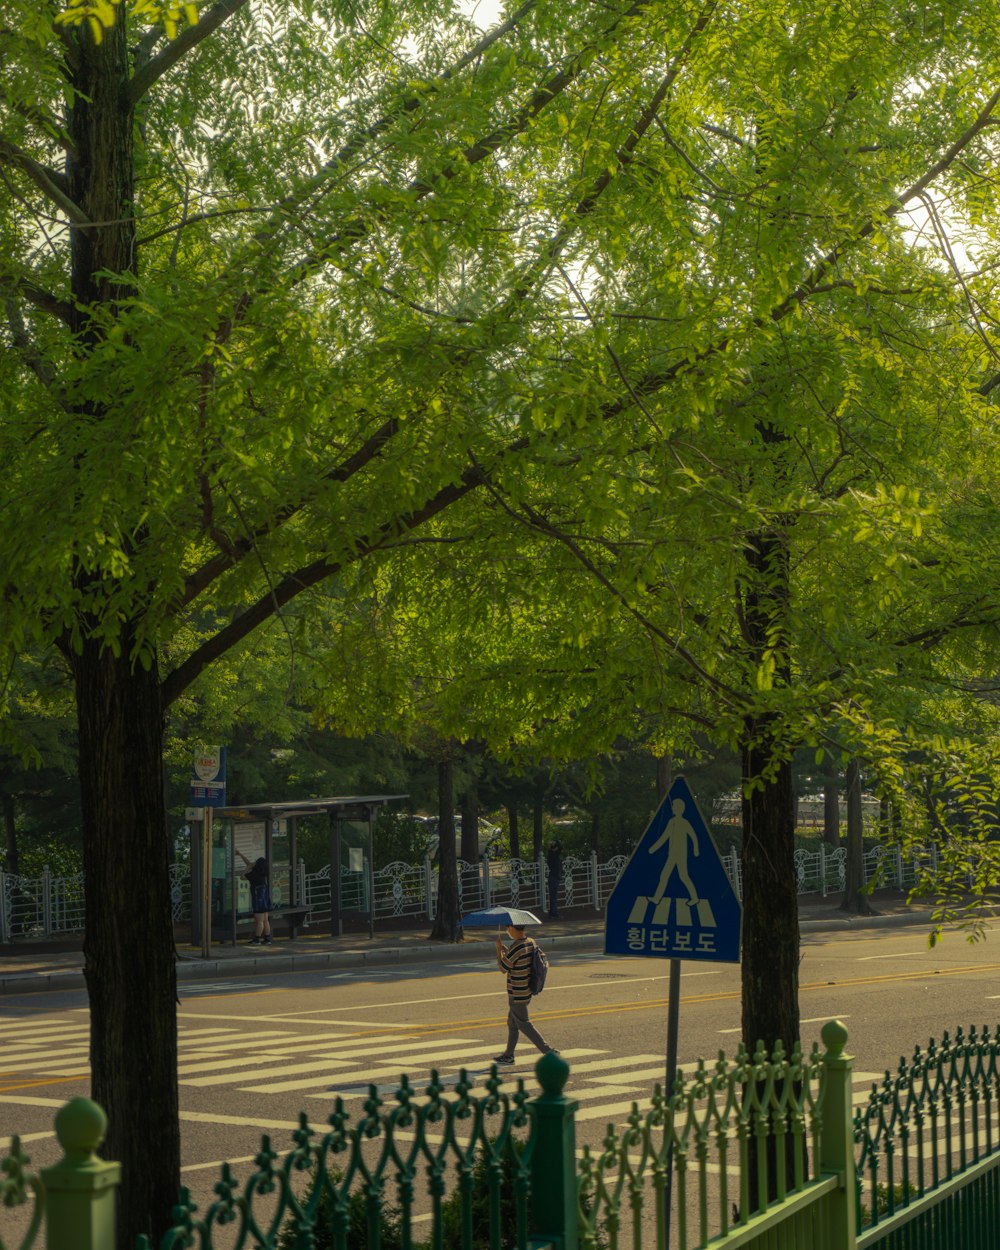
[(192, 968)]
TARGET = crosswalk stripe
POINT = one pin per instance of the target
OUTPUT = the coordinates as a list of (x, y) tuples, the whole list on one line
[(336, 1059), (188, 1032), (371, 1076), (10, 1027), (18, 1041), (9, 1057), (233, 1078), (461, 1051)]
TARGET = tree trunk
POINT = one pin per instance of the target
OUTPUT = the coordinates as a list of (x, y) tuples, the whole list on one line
[(855, 900), (515, 837), (770, 897), (470, 821), (770, 979), (129, 961), (770, 982), (448, 921), (10, 834)]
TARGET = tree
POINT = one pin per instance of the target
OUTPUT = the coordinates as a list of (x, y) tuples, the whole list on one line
[(308, 282), (240, 342)]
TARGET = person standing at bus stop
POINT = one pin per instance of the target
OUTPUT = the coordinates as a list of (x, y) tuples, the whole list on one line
[(258, 878)]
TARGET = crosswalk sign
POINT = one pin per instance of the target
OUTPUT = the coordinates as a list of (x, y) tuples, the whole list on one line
[(674, 898)]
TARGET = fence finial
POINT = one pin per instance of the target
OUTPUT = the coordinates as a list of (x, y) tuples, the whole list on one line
[(553, 1073), (80, 1188), (834, 1035)]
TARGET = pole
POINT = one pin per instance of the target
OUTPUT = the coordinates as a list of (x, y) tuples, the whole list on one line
[(673, 1017), (206, 883), (663, 781), (336, 921), (371, 874)]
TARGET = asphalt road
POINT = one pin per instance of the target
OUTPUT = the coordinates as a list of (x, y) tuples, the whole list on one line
[(254, 1052)]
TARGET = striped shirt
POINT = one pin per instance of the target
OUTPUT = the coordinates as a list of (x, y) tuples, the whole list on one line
[(516, 960)]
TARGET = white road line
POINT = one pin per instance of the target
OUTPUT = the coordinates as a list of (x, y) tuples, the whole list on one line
[(238, 1121), (864, 959), (550, 984), (347, 1024), (233, 1078), (220, 987), (336, 1059), (214, 1034), (282, 1041), (464, 1054), (33, 1102), (374, 1076), (57, 1052), (217, 1163), (243, 1061), (241, 1041)]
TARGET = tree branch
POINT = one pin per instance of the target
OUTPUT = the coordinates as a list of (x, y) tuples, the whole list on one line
[(179, 47), (813, 282), (38, 296), (234, 552), (51, 183), (474, 153), (303, 579), (25, 346)]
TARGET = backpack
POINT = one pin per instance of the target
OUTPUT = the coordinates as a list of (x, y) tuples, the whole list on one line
[(539, 969)]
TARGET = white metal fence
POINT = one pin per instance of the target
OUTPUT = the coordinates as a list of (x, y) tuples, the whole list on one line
[(48, 905)]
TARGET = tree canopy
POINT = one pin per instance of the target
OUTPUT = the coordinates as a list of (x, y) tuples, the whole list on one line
[(297, 291)]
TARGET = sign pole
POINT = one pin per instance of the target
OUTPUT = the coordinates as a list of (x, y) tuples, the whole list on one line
[(673, 1018), (206, 883), (663, 780)]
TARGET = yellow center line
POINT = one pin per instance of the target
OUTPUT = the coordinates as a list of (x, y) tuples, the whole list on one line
[(55, 1080)]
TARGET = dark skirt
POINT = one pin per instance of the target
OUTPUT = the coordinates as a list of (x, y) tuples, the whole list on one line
[(260, 898)]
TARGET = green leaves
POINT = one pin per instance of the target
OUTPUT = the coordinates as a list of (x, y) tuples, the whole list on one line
[(99, 15)]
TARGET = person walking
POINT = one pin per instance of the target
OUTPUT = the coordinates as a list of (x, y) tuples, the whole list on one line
[(555, 865), (258, 878), (515, 960)]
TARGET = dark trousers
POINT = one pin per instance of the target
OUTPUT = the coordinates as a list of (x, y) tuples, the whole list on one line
[(553, 894), (518, 1022)]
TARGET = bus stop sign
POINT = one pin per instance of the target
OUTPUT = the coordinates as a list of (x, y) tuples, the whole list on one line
[(674, 899)]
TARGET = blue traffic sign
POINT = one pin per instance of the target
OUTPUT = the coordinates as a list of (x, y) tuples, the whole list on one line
[(674, 899)]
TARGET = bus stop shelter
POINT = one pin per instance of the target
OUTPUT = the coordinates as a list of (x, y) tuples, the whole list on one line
[(227, 834)]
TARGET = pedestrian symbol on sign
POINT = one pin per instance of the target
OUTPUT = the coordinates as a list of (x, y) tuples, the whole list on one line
[(674, 898)]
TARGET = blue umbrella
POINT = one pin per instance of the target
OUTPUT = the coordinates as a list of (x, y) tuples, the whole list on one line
[(501, 916)]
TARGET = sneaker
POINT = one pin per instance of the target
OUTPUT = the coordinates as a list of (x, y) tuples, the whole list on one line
[(266, 941), (504, 1059), (255, 941)]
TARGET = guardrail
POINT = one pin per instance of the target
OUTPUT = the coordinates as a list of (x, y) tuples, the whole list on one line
[(47, 905)]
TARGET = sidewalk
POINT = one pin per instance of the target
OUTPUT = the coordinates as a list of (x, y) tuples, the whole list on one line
[(38, 966)]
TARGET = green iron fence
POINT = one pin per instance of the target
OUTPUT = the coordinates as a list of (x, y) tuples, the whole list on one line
[(929, 1139), (499, 1169)]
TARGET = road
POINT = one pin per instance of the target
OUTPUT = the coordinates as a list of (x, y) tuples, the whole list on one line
[(254, 1052)]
